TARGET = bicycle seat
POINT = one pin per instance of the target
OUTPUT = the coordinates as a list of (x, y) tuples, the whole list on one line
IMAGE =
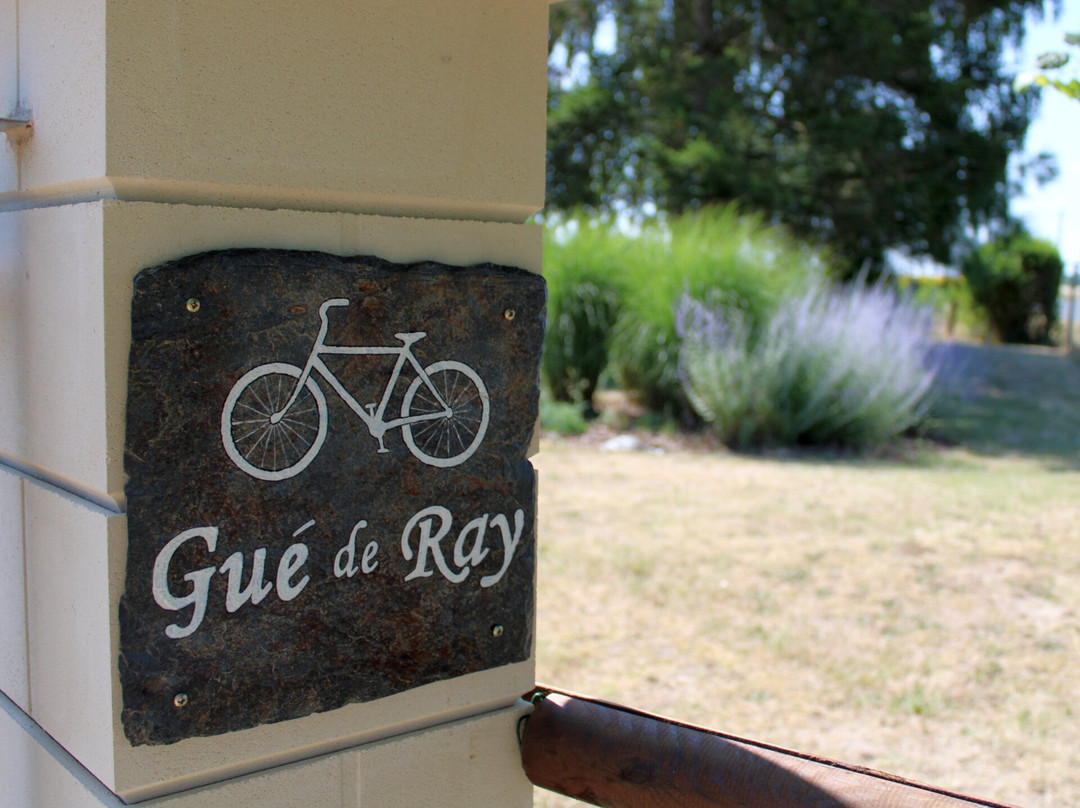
[(410, 337), (332, 303)]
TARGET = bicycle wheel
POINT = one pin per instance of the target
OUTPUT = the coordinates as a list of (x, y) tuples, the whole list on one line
[(260, 441), (450, 439)]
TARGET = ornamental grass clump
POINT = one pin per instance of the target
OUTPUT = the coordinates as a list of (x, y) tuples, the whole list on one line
[(843, 366), (583, 261)]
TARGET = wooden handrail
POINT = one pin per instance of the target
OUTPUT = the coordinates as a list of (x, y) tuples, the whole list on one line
[(614, 756)]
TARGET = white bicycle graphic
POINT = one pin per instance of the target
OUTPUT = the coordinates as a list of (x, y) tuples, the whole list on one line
[(274, 420)]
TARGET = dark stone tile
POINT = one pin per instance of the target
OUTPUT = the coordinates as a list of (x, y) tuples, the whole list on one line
[(223, 477)]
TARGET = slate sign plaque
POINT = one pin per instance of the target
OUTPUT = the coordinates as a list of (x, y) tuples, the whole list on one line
[(328, 494)]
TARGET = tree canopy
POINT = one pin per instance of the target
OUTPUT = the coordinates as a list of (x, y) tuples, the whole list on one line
[(861, 124)]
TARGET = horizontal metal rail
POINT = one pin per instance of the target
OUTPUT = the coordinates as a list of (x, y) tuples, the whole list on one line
[(617, 757)]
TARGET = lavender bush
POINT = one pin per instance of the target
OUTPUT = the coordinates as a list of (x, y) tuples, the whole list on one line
[(848, 366), (717, 367)]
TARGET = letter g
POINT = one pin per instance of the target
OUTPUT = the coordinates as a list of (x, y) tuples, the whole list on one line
[(199, 579)]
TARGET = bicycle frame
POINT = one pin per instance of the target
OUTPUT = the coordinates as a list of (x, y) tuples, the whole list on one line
[(375, 421)]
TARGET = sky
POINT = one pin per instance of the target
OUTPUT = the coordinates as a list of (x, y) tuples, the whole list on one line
[(1053, 211)]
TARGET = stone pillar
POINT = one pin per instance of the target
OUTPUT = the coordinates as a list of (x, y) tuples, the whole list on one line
[(412, 131)]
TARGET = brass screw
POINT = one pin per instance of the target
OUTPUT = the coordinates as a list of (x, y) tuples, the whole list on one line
[(496, 631), (509, 314), (180, 700), (193, 304)]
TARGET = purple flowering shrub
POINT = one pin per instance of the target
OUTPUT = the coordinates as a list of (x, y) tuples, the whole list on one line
[(717, 368), (845, 365)]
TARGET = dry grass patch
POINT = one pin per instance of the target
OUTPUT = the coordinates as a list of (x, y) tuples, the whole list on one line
[(920, 617)]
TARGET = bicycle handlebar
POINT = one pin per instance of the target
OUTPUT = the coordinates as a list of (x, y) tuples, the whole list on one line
[(323, 309)]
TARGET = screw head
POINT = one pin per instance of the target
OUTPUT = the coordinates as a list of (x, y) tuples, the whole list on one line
[(180, 700), (496, 631), (509, 314), (193, 304)]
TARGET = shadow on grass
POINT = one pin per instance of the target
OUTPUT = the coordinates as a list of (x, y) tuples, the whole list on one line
[(1015, 400)]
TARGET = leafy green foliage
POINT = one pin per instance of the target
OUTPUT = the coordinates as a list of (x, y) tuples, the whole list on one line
[(611, 294), (863, 125), (1016, 279), (562, 417), (583, 263)]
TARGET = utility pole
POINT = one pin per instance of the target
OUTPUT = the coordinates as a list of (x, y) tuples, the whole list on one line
[(1073, 278)]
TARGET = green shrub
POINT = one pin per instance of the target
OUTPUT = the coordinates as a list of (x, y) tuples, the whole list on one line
[(1015, 279), (582, 261), (720, 251), (562, 417), (612, 293), (848, 366)]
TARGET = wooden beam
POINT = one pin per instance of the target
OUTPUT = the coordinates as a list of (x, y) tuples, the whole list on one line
[(617, 757)]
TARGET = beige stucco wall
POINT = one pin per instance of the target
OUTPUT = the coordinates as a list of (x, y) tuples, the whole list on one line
[(472, 762), (416, 109), (405, 130)]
